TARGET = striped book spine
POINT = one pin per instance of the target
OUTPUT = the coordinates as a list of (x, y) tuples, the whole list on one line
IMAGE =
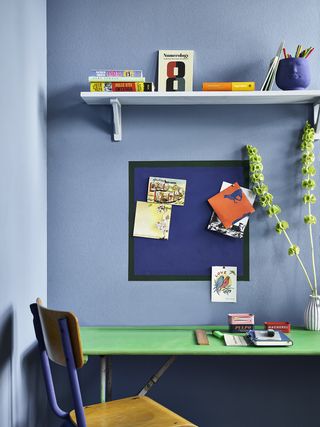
[(121, 87), (115, 79), (116, 73)]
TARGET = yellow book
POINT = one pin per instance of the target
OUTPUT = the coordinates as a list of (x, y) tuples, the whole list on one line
[(97, 87), (228, 86), (243, 85), (140, 86)]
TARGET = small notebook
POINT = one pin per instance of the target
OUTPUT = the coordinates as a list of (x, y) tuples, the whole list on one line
[(261, 338)]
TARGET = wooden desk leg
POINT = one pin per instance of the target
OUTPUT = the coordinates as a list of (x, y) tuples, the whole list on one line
[(105, 379)]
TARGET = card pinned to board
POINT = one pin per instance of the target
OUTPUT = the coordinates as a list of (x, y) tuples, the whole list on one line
[(223, 284), (231, 205), (167, 190), (237, 229), (152, 220)]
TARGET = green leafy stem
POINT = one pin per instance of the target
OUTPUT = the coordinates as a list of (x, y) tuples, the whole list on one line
[(308, 183)]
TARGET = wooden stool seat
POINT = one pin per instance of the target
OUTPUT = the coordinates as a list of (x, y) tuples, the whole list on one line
[(131, 412)]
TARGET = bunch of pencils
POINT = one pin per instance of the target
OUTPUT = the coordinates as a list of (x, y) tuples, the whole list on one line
[(299, 52)]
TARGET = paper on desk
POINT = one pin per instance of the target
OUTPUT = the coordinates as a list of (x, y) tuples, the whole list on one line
[(235, 340)]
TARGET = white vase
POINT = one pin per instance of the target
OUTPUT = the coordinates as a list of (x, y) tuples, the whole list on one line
[(312, 314)]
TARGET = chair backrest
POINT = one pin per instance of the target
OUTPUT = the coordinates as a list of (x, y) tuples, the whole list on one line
[(52, 335)]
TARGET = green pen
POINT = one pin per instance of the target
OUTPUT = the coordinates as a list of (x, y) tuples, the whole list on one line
[(218, 334)]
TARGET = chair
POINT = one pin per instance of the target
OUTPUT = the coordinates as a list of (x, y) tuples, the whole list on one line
[(58, 337)]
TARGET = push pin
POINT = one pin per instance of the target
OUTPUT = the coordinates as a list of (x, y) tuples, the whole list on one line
[(270, 333)]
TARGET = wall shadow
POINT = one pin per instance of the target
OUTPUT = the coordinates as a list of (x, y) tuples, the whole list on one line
[(34, 388), (6, 337), (67, 106), (6, 353)]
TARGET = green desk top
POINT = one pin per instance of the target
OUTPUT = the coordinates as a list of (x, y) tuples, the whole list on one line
[(180, 340)]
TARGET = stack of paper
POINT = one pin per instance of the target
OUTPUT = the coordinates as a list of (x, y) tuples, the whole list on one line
[(272, 71)]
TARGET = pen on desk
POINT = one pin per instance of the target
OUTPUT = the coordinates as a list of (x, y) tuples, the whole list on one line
[(218, 334)]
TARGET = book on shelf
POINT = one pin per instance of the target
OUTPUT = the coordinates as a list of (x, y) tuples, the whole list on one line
[(115, 79), (272, 70), (228, 86), (121, 87), (175, 70), (116, 73)]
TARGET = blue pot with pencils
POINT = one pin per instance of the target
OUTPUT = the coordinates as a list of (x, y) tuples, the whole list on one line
[(293, 74)]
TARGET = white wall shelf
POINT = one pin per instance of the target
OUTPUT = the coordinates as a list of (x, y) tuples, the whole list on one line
[(116, 99)]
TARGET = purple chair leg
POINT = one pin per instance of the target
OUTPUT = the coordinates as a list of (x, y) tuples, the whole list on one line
[(45, 364), (72, 371), (50, 387)]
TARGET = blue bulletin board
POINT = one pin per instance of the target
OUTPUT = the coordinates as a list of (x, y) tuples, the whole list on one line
[(191, 249)]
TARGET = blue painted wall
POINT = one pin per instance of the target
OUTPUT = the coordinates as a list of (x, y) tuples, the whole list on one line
[(88, 183), (23, 207)]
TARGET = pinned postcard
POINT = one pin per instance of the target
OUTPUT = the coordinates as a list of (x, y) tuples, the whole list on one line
[(237, 228), (231, 205), (223, 284), (167, 190), (152, 220)]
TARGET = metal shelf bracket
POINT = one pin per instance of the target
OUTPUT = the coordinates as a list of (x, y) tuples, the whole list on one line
[(117, 119), (316, 120)]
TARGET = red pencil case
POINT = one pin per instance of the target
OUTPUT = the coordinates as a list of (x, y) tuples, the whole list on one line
[(278, 326)]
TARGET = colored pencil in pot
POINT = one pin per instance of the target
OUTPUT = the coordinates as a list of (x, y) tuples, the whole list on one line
[(299, 47), (306, 51), (310, 52)]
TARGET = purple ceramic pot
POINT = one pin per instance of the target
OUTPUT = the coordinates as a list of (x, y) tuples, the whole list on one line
[(293, 74)]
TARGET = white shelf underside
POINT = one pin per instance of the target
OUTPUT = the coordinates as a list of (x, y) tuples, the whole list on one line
[(117, 99), (200, 98)]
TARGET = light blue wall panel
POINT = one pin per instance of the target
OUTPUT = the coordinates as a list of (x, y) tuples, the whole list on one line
[(23, 207)]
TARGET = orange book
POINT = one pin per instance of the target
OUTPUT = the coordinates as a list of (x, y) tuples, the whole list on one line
[(231, 205), (228, 86)]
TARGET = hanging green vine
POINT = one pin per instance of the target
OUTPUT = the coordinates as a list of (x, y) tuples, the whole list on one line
[(265, 198)]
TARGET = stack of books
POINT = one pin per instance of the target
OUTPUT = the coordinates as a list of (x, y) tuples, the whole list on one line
[(119, 81)]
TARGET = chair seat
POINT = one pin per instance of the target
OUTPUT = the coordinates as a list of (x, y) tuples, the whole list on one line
[(131, 412)]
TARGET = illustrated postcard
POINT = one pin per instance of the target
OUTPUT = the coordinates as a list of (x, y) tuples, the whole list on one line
[(223, 284), (167, 190)]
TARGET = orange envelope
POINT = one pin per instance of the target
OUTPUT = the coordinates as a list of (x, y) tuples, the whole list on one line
[(231, 205)]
